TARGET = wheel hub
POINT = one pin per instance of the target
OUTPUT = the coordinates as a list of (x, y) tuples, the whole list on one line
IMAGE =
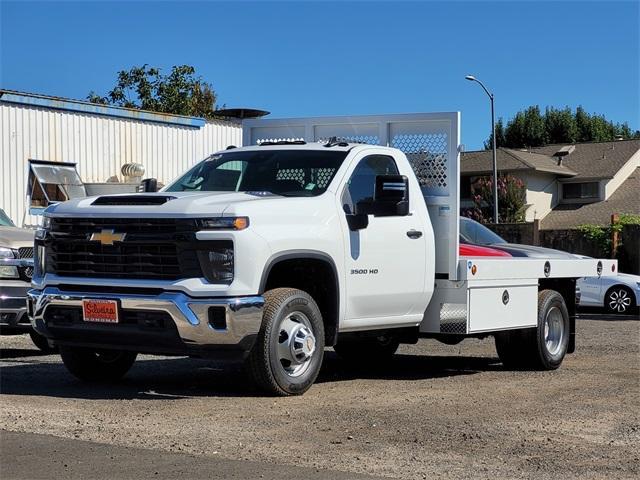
[(296, 344), (619, 301), (554, 330), (302, 344)]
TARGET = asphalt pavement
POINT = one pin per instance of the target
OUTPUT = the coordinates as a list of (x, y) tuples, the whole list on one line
[(36, 456)]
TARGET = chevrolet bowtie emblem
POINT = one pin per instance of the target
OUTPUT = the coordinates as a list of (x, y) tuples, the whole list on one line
[(107, 237)]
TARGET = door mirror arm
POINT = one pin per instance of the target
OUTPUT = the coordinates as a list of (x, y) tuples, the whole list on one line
[(357, 221)]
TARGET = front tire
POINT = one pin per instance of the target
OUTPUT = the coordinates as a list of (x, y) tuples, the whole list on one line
[(619, 300), (42, 342), (543, 347), (97, 365), (288, 352)]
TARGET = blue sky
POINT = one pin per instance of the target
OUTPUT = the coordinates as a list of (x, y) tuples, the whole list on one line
[(322, 58)]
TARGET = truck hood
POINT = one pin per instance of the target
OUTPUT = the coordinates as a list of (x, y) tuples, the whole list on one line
[(531, 251), (161, 204), (14, 237)]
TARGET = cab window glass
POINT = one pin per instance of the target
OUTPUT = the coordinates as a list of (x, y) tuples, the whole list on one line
[(361, 185)]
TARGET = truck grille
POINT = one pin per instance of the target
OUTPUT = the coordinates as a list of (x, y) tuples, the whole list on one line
[(25, 252), (27, 272), (157, 249)]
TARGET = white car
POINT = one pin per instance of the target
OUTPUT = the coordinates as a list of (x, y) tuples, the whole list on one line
[(619, 294)]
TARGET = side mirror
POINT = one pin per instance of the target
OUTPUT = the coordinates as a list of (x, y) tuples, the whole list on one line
[(390, 198), (149, 185)]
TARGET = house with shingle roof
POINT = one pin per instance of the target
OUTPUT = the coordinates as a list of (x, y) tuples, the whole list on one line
[(567, 185)]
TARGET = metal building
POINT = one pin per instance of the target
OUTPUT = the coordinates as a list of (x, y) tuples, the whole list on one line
[(99, 139)]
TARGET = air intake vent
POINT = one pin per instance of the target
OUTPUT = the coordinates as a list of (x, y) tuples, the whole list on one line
[(133, 200)]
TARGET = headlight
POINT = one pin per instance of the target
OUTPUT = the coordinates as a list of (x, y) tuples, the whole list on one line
[(223, 223), (217, 262), (41, 232), (5, 270)]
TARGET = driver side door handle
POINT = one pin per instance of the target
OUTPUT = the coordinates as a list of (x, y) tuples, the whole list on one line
[(413, 234)]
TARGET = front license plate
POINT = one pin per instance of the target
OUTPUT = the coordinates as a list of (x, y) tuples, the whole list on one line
[(102, 311)]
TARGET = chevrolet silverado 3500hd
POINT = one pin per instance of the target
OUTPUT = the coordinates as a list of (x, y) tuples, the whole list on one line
[(318, 232)]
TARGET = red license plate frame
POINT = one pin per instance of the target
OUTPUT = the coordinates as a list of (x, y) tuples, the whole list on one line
[(100, 311)]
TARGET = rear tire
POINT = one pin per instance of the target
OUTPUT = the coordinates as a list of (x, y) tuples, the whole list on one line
[(289, 350), (367, 349), (540, 348), (42, 342), (97, 365)]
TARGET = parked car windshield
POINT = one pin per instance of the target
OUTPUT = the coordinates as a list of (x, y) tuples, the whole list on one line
[(295, 173), (5, 221), (477, 234)]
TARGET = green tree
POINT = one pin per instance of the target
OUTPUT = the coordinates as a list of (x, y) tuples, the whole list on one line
[(530, 128), (181, 92), (500, 138), (560, 125)]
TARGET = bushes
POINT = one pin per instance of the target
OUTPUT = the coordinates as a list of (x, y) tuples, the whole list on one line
[(511, 200), (603, 235)]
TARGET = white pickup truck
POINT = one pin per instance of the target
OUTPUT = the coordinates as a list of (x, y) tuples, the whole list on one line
[(318, 232)]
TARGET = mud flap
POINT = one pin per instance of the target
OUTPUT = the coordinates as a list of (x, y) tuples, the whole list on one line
[(572, 335)]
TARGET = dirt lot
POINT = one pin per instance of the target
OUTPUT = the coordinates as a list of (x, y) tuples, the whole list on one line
[(436, 411)]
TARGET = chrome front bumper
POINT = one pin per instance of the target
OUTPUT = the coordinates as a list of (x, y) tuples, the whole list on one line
[(243, 315)]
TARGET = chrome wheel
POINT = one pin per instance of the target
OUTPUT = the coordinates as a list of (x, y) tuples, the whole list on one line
[(619, 300), (296, 344), (554, 330)]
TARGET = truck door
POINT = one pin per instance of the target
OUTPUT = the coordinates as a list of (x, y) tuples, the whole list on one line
[(385, 262)]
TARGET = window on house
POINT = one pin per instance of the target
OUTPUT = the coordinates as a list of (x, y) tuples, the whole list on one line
[(578, 191)]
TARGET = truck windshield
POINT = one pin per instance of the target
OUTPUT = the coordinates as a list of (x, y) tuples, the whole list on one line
[(295, 173)]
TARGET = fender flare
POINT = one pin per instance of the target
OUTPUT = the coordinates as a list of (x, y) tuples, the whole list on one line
[(332, 333)]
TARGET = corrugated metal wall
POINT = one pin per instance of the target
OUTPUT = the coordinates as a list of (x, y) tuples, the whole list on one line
[(99, 145)]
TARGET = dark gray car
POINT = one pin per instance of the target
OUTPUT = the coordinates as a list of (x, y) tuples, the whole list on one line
[(474, 233)]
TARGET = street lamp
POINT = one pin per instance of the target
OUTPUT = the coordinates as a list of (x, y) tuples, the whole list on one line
[(471, 78)]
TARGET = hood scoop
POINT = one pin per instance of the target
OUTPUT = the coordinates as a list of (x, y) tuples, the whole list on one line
[(122, 200)]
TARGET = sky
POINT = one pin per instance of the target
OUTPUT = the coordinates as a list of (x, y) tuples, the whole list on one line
[(312, 58)]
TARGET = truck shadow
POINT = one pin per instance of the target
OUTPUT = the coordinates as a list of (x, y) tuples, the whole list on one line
[(21, 352), (177, 378)]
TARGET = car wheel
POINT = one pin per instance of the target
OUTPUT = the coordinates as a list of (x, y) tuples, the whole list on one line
[(97, 365), (288, 352), (619, 299), (42, 342)]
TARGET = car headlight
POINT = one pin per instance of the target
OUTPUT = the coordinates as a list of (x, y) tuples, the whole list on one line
[(223, 223), (41, 232), (7, 271), (217, 261)]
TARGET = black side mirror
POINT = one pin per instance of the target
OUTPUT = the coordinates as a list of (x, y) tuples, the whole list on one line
[(390, 198), (149, 185)]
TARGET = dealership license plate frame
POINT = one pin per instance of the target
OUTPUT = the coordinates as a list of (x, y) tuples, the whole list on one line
[(101, 318)]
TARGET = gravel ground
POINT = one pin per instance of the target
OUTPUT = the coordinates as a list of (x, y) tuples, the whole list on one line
[(435, 411)]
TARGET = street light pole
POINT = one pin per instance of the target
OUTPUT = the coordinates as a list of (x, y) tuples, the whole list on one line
[(493, 136)]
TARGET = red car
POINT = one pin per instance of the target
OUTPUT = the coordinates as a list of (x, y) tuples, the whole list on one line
[(467, 250)]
